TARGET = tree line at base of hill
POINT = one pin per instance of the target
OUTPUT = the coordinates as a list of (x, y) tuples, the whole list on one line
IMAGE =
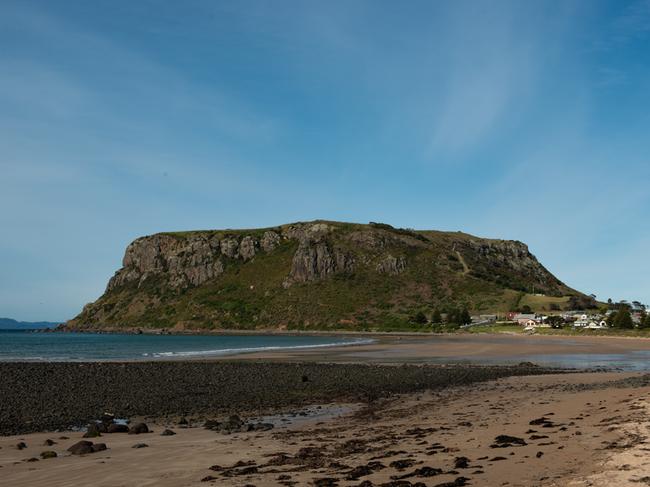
[(622, 318), (451, 316)]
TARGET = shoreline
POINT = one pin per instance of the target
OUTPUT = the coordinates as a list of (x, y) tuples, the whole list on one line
[(316, 332), (466, 348)]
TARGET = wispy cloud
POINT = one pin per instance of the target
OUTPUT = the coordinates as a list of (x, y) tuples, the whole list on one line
[(490, 70)]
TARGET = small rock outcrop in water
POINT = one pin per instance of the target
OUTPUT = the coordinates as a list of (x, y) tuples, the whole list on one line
[(232, 278)]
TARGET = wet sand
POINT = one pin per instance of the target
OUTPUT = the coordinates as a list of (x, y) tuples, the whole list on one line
[(584, 427), (476, 347)]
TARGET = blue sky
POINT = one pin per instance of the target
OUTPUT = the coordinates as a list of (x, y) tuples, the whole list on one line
[(517, 120)]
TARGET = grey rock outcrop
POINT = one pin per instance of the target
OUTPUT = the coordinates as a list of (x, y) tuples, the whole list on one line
[(391, 265), (507, 256), (185, 262), (230, 248), (270, 240), (248, 248), (316, 260)]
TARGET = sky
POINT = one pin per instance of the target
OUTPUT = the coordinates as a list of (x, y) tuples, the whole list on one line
[(504, 119)]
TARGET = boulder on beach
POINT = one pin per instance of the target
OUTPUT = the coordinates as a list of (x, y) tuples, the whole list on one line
[(81, 448), (99, 447), (234, 424), (138, 428), (107, 418), (507, 441), (48, 454), (92, 431), (168, 432), (117, 428), (85, 447)]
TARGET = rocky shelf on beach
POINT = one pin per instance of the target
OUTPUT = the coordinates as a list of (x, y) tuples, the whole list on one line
[(50, 396)]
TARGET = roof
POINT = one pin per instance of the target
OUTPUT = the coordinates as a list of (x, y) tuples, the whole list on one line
[(527, 316)]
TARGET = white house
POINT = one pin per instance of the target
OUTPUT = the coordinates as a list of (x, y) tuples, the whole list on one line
[(523, 318), (581, 322), (601, 325), (533, 324)]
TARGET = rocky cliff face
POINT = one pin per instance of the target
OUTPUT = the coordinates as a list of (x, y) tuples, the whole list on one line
[(198, 258), (186, 262), (270, 276)]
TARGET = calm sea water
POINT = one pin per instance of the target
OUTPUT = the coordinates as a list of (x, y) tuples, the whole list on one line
[(25, 346), (21, 346)]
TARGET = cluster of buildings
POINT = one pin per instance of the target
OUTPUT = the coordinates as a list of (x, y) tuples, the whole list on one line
[(529, 321), (589, 322), (577, 319), (532, 321)]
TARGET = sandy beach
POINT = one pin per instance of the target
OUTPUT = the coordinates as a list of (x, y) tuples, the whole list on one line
[(583, 427), (411, 425)]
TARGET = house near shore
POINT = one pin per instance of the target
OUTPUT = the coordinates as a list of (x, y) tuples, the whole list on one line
[(581, 322), (530, 325), (600, 325), (590, 324), (524, 318)]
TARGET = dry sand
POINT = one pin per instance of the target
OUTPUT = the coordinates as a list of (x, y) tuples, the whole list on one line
[(595, 435)]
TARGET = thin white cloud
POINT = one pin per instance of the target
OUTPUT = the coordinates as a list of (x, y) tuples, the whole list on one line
[(490, 69)]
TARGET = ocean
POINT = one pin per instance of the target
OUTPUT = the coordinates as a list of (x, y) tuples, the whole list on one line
[(48, 347)]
